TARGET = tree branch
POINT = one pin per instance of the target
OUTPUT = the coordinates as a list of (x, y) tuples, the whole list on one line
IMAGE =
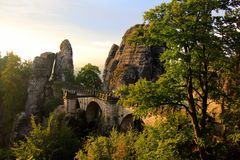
[(178, 104), (197, 92)]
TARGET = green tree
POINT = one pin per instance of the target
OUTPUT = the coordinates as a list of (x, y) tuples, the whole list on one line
[(26, 70), (53, 140), (14, 90), (3, 61), (231, 37), (88, 77), (118, 146), (194, 60), (228, 28), (171, 139)]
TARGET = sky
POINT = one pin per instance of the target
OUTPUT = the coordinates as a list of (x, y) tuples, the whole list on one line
[(31, 27)]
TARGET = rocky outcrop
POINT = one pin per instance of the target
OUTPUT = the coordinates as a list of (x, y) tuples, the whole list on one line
[(21, 127), (64, 62), (47, 69), (41, 72), (126, 63)]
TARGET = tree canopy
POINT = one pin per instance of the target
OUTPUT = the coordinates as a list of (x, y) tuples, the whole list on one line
[(195, 59), (13, 90), (53, 140), (88, 77)]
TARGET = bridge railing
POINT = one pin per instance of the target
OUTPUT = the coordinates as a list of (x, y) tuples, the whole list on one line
[(80, 91), (107, 96)]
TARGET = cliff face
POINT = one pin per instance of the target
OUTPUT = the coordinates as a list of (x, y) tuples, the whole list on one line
[(41, 71), (126, 63), (47, 69)]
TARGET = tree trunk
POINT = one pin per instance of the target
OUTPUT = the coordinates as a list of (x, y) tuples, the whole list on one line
[(196, 127), (198, 137)]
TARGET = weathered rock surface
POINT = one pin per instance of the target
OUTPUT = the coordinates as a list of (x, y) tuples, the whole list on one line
[(41, 72), (43, 69), (21, 126), (44, 73), (127, 63), (64, 62)]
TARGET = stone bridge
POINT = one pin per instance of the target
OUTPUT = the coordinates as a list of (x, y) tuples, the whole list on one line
[(100, 108)]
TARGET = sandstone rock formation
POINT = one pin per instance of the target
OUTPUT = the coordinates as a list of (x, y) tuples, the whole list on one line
[(21, 127), (127, 63), (41, 71), (43, 68), (64, 62), (47, 68)]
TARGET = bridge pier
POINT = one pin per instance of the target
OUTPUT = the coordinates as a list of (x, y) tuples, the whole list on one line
[(70, 101)]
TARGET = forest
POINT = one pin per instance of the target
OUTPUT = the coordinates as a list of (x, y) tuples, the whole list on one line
[(201, 71)]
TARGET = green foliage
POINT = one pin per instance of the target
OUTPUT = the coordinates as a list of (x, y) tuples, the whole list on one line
[(231, 38), (146, 97), (50, 104), (230, 118), (12, 84), (88, 77), (53, 140), (196, 57), (5, 153), (2, 66), (13, 91), (3, 61), (70, 78), (142, 96), (117, 146), (169, 140), (26, 70)]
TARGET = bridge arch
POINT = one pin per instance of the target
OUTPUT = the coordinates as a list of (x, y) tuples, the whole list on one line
[(126, 123), (77, 106), (93, 114)]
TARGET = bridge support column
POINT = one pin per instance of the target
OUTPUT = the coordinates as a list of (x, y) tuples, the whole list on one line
[(70, 101)]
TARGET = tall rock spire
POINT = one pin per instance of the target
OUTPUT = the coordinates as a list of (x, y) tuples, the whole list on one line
[(41, 71), (64, 62), (46, 69)]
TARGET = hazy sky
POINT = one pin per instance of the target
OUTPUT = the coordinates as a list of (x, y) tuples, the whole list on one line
[(31, 27)]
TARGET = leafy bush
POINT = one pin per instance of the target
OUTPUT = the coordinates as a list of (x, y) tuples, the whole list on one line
[(172, 139), (53, 140), (50, 104), (5, 153), (118, 146), (89, 77)]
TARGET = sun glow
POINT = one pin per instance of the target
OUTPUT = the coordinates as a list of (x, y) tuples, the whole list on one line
[(29, 28), (29, 42), (23, 42)]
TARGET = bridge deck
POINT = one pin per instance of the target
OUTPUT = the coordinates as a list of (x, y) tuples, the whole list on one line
[(79, 92)]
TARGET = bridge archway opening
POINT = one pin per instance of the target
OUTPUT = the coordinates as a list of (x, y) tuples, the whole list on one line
[(127, 123), (93, 114), (77, 105)]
